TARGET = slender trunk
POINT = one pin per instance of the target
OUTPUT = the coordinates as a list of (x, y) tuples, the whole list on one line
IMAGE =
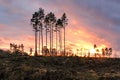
[(35, 43), (39, 42), (56, 40), (60, 41), (52, 36), (64, 41), (42, 38), (46, 36), (50, 39), (46, 53)]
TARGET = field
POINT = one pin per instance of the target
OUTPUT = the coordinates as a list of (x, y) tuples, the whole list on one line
[(17, 67)]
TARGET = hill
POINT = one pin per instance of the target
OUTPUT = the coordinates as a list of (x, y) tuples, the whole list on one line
[(17, 67)]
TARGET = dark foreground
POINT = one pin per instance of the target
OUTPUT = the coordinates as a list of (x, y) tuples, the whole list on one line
[(14, 67)]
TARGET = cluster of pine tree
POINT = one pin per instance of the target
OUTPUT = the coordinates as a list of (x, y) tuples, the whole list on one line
[(53, 28)]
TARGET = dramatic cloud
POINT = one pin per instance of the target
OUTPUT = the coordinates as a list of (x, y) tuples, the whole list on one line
[(90, 21)]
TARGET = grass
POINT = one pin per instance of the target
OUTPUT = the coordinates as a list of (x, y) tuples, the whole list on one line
[(16, 67)]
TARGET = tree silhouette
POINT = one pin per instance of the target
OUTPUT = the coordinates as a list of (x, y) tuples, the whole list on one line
[(110, 51), (22, 48), (106, 51), (103, 52), (47, 23), (11, 45), (31, 51), (59, 25), (64, 22), (40, 21), (95, 46), (34, 22), (56, 31), (16, 48), (51, 20)]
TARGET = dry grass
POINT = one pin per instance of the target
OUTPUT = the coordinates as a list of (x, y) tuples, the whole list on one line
[(16, 67)]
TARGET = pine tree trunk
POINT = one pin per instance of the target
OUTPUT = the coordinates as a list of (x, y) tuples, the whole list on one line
[(50, 39), (39, 42), (56, 40), (35, 43), (42, 38), (46, 36), (64, 41), (60, 41), (52, 36)]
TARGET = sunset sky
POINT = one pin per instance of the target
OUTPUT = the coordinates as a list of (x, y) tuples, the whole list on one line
[(90, 22)]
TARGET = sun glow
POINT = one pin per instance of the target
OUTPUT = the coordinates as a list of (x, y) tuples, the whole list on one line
[(88, 51), (93, 51)]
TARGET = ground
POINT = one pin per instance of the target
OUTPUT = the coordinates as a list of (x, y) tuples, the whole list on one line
[(17, 67)]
